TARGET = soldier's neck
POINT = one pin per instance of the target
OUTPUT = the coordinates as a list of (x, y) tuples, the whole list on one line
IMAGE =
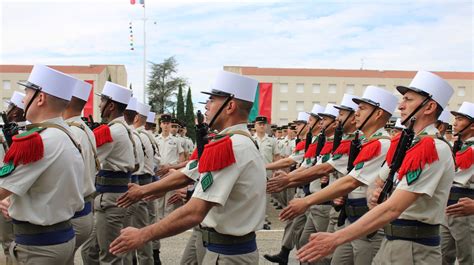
[(260, 134)]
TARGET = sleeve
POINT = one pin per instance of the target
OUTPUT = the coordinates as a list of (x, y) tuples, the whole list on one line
[(432, 173), (191, 170), (339, 163), (297, 156), (180, 145), (275, 149), (104, 150), (369, 171), (222, 184), (24, 176)]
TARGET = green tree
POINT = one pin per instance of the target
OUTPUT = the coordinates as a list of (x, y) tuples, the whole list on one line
[(180, 104), (163, 84), (190, 116)]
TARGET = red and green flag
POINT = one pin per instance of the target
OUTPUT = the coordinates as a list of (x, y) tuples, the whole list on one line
[(262, 105)]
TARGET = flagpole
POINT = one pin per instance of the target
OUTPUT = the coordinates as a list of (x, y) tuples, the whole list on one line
[(144, 53)]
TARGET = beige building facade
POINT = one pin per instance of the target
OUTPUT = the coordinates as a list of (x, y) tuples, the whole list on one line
[(295, 90), (97, 75)]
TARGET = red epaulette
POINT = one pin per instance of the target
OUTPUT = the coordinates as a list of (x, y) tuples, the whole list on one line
[(311, 152), (465, 159), (368, 151), (300, 146), (194, 155), (102, 135), (343, 148), (422, 153), (327, 148), (26, 148), (217, 155), (393, 147)]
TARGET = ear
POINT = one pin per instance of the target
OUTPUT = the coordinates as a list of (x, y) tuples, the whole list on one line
[(41, 99), (231, 107), (430, 107), (378, 113)]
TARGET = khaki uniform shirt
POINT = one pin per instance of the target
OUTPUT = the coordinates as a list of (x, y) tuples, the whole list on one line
[(88, 145), (139, 151), (268, 149), (370, 169), (464, 177), (156, 150), (433, 184), (149, 163), (239, 190), (170, 148), (117, 155), (50, 190)]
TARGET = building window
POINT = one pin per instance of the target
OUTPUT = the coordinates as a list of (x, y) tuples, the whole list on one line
[(283, 88), (299, 105), (299, 88), (316, 88), (461, 91), (350, 89), (332, 102), (316, 102), (382, 86), (332, 88), (283, 105), (283, 121), (7, 84)]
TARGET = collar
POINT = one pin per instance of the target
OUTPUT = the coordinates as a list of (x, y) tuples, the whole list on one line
[(428, 130), (236, 127), (74, 119)]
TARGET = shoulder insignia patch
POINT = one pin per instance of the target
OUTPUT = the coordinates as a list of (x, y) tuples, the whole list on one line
[(6, 170), (359, 166), (207, 181), (336, 156), (193, 165), (412, 176)]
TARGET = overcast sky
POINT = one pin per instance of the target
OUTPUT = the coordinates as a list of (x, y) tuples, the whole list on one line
[(206, 35)]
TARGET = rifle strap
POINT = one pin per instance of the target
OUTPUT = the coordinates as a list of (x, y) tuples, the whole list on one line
[(94, 151), (59, 127)]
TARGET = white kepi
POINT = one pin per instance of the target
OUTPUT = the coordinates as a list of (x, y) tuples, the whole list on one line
[(315, 110), (330, 111), (132, 104), (466, 110), (51, 82), (17, 100), (143, 109), (430, 84), (227, 83), (82, 90), (347, 103), (445, 116), (150, 118), (302, 117), (379, 97), (116, 93)]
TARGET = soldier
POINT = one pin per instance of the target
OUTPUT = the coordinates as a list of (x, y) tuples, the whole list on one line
[(375, 109), (228, 232), (189, 145), (413, 212), (14, 114), (150, 128), (455, 242), (294, 228), (443, 122), (116, 154), (336, 164), (397, 127), (171, 153), (43, 173), (83, 221), (267, 147)]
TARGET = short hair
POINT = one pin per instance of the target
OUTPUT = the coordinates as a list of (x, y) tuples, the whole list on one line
[(57, 104), (244, 107), (76, 104)]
